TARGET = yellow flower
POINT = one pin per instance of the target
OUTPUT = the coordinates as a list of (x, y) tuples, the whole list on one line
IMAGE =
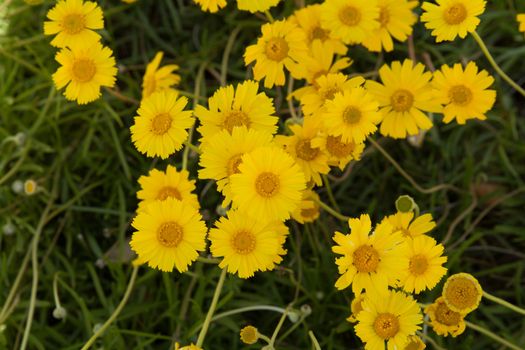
[(521, 20), (389, 318), (309, 20), (425, 264), (129, 1), (443, 320), (312, 160), (169, 234), (308, 210), (396, 20), (156, 79), (313, 97), (352, 114), (160, 185), (187, 347), (339, 153), (450, 18), (249, 335), (73, 22), (243, 106), (269, 184), (356, 307), (350, 20), (403, 223), (222, 155), (414, 343), (247, 244), (464, 93), (462, 293), (369, 262), (256, 5), (404, 93), (282, 44), (161, 126), (30, 187), (84, 70), (211, 5)]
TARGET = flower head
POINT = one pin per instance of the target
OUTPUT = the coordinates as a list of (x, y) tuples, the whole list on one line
[(339, 153), (249, 335), (462, 293), (414, 342), (158, 79), (443, 320), (356, 306), (410, 227), (521, 20), (30, 187), (308, 210), (256, 5), (211, 5)]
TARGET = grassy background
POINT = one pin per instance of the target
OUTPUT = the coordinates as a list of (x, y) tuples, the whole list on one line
[(83, 159)]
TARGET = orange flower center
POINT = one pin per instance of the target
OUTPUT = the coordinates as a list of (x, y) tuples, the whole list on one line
[(276, 49), (402, 100), (233, 119), (352, 115), (233, 164), (267, 184), (161, 124), (243, 242), (318, 33), (338, 148), (418, 264), (329, 93), (384, 16), (386, 325), (460, 95), (83, 70), (304, 150), (168, 192), (310, 213), (446, 316), (170, 234), (461, 293), (366, 259), (350, 16), (73, 23), (455, 14)]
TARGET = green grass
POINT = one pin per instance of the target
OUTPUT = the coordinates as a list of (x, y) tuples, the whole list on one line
[(83, 159)]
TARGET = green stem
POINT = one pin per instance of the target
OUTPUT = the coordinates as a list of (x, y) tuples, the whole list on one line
[(496, 67), (6, 307), (504, 303), (314, 340), (248, 309), (331, 211), (492, 335), (431, 341), (212, 308), (115, 313), (278, 328), (226, 55), (269, 16), (17, 165), (330, 193)]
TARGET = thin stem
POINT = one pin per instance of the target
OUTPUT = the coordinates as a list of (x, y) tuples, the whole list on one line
[(226, 55), (408, 177), (211, 310), (431, 341), (6, 307), (115, 313), (278, 328), (331, 211), (496, 67), (492, 335), (248, 309), (269, 16), (17, 165), (289, 99), (503, 303), (330, 193), (265, 338), (314, 340)]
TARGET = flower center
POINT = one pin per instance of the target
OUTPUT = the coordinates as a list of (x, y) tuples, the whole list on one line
[(402, 100), (74, 23), (351, 115), (169, 234), (446, 316), (350, 16), (304, 150), (267, 184), (83, 70), (309, 212), (384, 16), (233, 164), (235, 118), (386, 325), (168, 192), (460, 95), (276, 49), (455, 14), (249, 335), (366, 259), (318, 33), (418, 264), (161, 123), (461, 293), (243, 242), (338, 148), (329, 93)]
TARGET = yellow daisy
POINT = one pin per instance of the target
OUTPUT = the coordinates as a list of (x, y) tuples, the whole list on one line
[(282, 44), (396, 20), (73, 22), (161, 126), (389, 318), (269, 184), (425, 264), (403, 223), (352, 114), (443, 320), (369, 262), (521, 21), (356, 306), (350, 20), (414, 343), (256, 5), (243, 106), (405, 93), (247, 244), (249, 335), (449, 18), (187, 347), (464, 93), (313, 97), (312, 160), (84, 70), (308, 210), (339, 153), (462, 293), (169, 234), (156, 79), (211, 5), (222, 155), (309, 20), (161, 185)]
